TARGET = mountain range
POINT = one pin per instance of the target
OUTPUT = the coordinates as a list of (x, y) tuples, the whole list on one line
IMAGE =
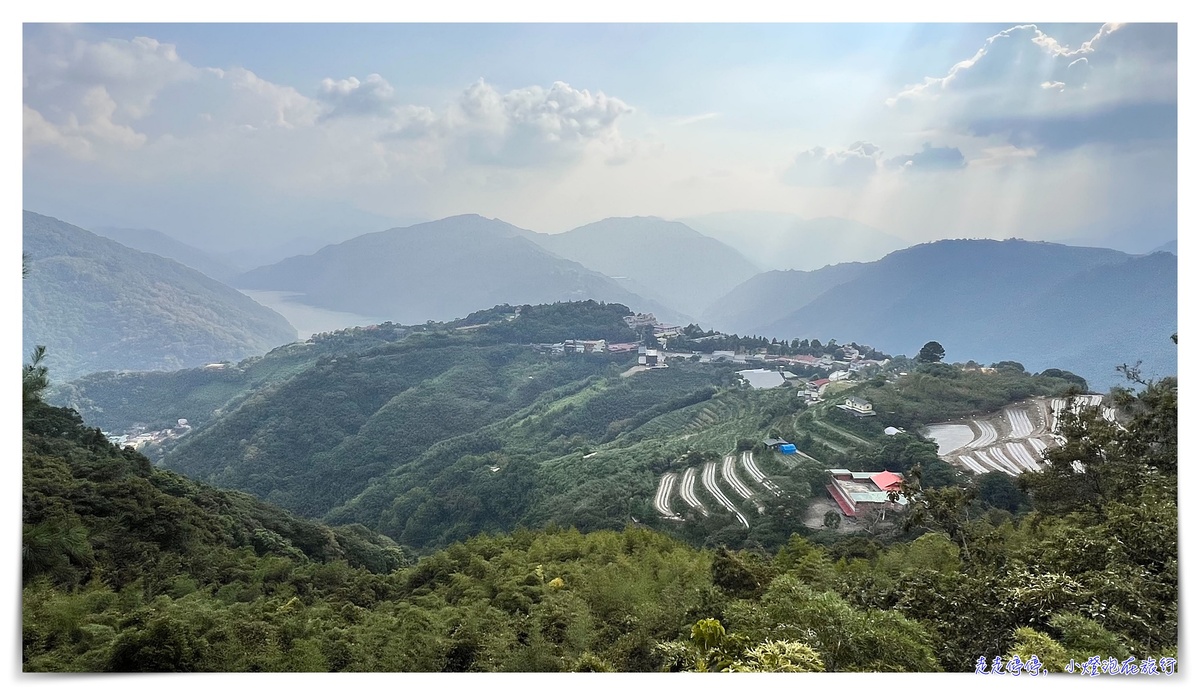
[(154, 241), (781, 241), (98, 305), (664, 261), (982, 299), (440, 270), (1045, 305)]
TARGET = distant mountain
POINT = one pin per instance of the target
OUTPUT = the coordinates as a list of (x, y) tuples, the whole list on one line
[(769, 297), (438, 271), (666, 261), (98, 305), (153, 241), (1171, 246), (780, 241), (1044, 305)]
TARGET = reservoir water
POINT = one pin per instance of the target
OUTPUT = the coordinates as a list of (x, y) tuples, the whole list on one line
[(308, 320)]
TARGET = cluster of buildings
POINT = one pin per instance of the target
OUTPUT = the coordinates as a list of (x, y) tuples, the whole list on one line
[(575, 346), (662, 331), (141, 439)]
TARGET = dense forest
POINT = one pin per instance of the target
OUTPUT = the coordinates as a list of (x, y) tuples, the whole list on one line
[(130, 567), (473, 505), (103, 306)]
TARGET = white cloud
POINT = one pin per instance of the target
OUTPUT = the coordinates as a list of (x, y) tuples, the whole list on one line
[(993, 61), (85, 96), (133, 72), (827, 167), (1026, 87), (370, 97), (259, 102), (523, 127), (80, 137)]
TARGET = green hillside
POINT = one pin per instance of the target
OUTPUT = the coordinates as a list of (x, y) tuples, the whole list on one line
[(430, 434), (127, 567), (97, 305)]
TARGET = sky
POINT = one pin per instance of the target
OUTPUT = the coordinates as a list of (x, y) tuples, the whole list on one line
[(232, 135)]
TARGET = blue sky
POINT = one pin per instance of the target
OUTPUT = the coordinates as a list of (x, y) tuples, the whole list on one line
[(228, 134)]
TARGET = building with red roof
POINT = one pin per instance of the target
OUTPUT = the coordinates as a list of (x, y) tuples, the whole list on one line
[(858, 492)]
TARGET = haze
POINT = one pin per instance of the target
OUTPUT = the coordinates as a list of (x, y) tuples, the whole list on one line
[(256, 136)]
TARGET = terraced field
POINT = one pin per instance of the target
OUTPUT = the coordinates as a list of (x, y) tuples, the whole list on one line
[(715, 487), (687, 490), (710, 484), (662, 498), (1011, 441)]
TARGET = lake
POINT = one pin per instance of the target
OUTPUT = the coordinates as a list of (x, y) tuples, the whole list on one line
[(308, 320)]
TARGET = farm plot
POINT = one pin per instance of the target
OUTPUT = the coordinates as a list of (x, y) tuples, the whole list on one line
[(729, 472), (1013, 440), (1018, 420), (710, 484), (662, 498), (986, 436), (997, 461), (971, 463), (1020, 453), (1076, 404), (687, 490), (754, 471)]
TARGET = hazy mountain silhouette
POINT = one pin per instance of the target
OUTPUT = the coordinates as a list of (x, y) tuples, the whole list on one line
[(438, 271), (657, 259), (1045, 305), (781, 241), (99, 305)]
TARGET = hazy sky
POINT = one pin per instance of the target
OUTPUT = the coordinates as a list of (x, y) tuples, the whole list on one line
[(224, 134)]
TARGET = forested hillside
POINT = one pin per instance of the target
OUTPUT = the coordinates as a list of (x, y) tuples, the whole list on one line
[(97, 305), (154, 241), (131, 568), (432, 433)]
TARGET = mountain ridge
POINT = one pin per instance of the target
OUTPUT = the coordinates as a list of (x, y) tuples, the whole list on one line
[(99, 305), (438, 271)]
